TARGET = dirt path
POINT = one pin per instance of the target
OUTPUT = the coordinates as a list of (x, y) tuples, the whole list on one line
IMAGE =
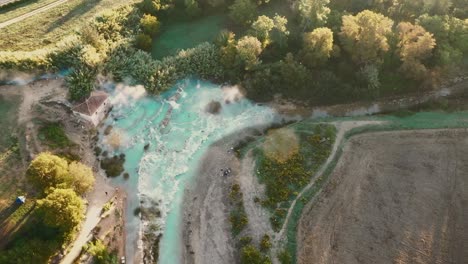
[(394, 197), (32, 13), (96, 199)]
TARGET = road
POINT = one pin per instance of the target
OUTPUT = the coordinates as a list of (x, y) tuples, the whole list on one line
[(32, 13)]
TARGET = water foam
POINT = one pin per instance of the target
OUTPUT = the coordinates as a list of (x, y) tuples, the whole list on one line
[(179, 131)]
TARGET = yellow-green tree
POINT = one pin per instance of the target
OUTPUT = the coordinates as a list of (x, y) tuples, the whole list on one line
[(312, 13), (415, 44), (364, 36), (48, 170), (248, 50), (150, 24), (261, 29), (81, 177), (317, 46), (62, 209)]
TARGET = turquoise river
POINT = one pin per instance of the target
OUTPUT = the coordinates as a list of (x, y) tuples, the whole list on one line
[(178, 131)]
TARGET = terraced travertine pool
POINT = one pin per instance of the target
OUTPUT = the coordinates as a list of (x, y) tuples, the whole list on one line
[(178, 131)]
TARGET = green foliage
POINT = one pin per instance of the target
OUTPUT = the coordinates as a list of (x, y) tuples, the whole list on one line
[(81, 177), (150, 25), (80, 83), (451, 36), (364, 36), (317, 47), (283, 180), (238, 217), (62, 209), (248, 51), (55, 136), (113, 166), (312, 13), (143, 42), (28, 251), (265, 243), (251, 255), (242, 12), (48, 170), (100, 252), (284, 257)]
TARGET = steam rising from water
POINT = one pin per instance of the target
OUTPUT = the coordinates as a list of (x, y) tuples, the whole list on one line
[(178, 131)]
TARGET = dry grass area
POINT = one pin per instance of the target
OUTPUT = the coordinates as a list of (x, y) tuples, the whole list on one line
[(394, 197), (52, 25), (23, 8)]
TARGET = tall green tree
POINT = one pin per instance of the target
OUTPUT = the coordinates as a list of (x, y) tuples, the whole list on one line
[(242, 12), (248, 50), (81, 177), (415, 45), (48, 170), (80, 82), (261, 29), (312, 13), (62, 209), (280, 33), (364, 36), (317, 46)]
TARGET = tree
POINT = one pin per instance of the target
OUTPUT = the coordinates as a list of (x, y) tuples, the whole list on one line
[(81, 177), (48, 170), (81, 82), (317, 46), (154, 6), (248, 50), (62, 209), (143, 42), (261, 29), (451, 35), (150, 24), (415, 44), (243, 12), (312, 13), (364, 36), (280, 33)]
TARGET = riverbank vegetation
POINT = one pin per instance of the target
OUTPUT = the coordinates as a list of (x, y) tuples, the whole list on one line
[(287, 168), (320, 52)]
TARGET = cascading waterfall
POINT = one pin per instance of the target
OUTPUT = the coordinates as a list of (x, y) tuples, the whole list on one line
[(178, 131)]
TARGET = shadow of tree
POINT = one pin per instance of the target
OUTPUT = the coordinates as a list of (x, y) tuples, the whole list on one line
[(79, 10), (7, 226)]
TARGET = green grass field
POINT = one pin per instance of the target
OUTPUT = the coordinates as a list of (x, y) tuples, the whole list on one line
[(52, 25)]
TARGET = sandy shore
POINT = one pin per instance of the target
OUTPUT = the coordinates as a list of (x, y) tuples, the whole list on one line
[(206, 234)]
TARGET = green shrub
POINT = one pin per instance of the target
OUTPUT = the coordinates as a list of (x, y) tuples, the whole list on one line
[(251, 255), (265, 243), (143, 42), (81, 82), (54, 135)]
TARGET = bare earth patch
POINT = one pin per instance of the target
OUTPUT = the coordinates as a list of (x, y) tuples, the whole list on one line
[(394, 197)]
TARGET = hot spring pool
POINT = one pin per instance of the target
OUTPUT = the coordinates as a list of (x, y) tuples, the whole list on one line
[(179, 131)]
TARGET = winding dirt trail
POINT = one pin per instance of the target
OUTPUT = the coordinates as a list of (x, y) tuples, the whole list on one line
[(32, 13)]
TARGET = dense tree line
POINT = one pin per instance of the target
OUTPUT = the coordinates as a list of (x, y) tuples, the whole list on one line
[(58, 213)]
